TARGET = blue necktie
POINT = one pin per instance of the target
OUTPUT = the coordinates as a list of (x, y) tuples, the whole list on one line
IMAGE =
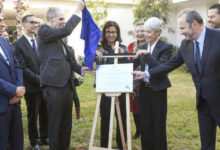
[(34, 46), (197, 58)]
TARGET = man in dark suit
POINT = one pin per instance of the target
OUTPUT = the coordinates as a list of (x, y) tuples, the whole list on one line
[(11, 91), (56, 74), (201, 52), (27, 54)]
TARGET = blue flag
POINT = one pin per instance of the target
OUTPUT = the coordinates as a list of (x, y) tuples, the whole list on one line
[(91, 34)]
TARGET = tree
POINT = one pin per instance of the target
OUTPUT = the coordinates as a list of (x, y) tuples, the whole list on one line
[(22, 9), (1, 5), (98, 10), (145, 9)]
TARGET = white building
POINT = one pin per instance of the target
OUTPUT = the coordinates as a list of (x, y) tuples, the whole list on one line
[(120, 11)]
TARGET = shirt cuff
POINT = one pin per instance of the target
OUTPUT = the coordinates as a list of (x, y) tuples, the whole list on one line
[(147, 74), (82, 72), (147, 78)]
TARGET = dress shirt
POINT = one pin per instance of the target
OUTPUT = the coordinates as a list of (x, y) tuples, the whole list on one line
[(29, 40), (150, 49), (200, 40), (4, 55)]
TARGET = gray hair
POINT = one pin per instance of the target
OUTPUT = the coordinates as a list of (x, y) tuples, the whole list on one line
[(52, 12), (154, 23), (190, 16)]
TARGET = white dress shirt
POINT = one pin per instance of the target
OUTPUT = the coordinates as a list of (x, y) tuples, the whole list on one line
[(4, 55), (150, 49), (29, 39)]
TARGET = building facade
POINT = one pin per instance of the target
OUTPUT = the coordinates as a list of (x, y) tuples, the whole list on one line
[(120, 11)]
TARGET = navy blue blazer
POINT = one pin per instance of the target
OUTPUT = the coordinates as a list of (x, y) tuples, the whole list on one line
[(161, 53), (208, 82), (10, 75)]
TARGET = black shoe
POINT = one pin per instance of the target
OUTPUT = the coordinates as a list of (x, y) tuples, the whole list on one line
[(136, 136), (35, 147), (44, 141)]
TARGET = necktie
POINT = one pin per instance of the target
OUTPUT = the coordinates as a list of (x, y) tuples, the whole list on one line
[(197, 58), (34, 46)]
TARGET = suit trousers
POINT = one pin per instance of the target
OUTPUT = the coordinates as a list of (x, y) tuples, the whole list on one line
[(105, 109), (76, 98), (36, 107), (153, 113), (59, 102), (11, 128), (209, 119)]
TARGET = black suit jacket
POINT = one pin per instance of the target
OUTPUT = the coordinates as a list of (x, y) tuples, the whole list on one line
[(30, 64), (56, 70), (208, 82), (161, 53)]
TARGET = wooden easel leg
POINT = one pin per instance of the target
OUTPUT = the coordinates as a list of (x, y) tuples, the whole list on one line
[(120, 124), (128, 121), (111, 122), (95, 121)]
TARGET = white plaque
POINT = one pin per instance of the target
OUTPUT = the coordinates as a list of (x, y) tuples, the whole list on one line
[(114, 78)]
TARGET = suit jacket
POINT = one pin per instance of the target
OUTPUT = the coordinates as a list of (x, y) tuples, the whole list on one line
[(30, 64), (56, 68), (208, 82), (161, 53), (10, 75)]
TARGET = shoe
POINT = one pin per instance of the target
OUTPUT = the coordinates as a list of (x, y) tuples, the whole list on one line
[(44, 141), (78, 116), (136, 136), (35, 147)]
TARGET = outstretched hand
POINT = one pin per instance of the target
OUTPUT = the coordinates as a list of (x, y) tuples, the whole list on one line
[(138, 75), (88, 70), (141, 52)]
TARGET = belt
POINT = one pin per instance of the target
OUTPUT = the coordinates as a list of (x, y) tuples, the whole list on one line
[(147, 84)]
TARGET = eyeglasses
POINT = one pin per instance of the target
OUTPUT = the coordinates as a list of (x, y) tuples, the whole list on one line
[(111, 32), (33, 22)]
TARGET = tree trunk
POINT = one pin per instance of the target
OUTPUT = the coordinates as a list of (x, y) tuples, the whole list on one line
[(1, 6), (22, 9)]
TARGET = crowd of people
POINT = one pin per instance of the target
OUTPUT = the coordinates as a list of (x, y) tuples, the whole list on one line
[(40, 67)]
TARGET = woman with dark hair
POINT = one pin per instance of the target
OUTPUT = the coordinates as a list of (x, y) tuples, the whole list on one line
[(110, 34)]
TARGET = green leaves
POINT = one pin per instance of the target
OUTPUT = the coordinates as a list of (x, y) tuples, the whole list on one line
[(98, 10), (145, 9)]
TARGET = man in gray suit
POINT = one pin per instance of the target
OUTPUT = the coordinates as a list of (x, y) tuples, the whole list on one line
[(56, 74)]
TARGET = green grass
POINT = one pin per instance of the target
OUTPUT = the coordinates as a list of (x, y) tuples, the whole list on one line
[(182, 122)]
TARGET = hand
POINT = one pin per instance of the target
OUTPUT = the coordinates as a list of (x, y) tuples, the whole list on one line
[(88, 70), (141, 52), (120, 50), (80, 6), (99, 54), (139, 75), (14, 100), (20, 91)]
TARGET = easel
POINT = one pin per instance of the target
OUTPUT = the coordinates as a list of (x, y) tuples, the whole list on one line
[(114, 100)]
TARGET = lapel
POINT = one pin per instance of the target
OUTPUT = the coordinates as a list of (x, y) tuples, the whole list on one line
[(206, 48), (3, 60), (66, 48), (3, 46), (156, 49), (29, 48)]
